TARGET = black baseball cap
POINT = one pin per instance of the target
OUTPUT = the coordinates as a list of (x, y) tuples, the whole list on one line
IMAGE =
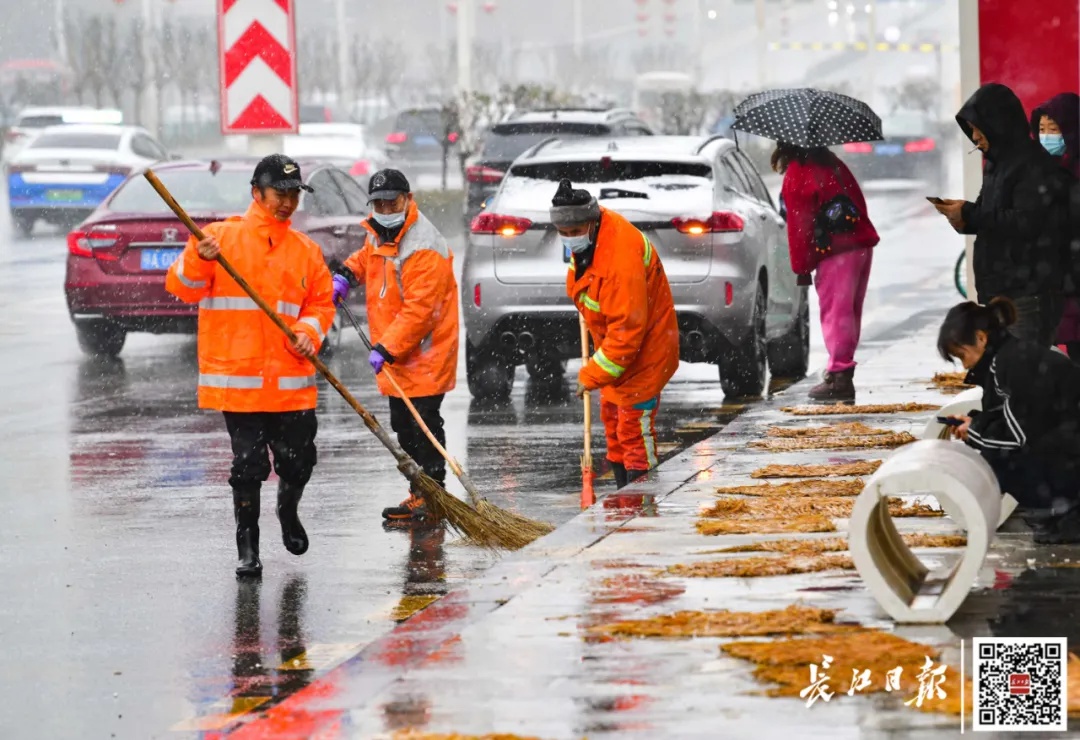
[(387, 185), (280, 173)]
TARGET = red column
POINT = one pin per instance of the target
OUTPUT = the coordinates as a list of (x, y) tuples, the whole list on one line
[(1033, 47)]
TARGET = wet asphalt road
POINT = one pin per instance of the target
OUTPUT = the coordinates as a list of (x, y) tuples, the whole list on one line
[(121, 615)]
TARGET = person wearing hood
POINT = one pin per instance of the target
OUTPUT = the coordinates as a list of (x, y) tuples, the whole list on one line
[(407, 269), (617, 282), (1028, 430), (1020, 217), (1056, 124), (262, 383)]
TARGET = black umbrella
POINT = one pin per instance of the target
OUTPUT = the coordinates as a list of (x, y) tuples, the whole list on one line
[(807, 117)]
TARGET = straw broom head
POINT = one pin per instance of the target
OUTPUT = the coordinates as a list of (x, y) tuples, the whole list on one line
[(487, 526)]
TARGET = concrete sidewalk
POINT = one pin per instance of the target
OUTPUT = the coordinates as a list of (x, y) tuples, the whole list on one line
[(511, 652)]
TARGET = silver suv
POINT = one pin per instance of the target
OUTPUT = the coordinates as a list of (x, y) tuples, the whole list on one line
[(705, 209)]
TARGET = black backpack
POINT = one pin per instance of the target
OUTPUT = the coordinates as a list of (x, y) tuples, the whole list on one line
[(838, 215)]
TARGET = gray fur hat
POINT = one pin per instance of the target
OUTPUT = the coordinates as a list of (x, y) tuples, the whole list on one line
[(572, 207)]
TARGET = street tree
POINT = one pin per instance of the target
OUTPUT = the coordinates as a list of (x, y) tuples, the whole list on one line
[(169, 56), (138, 78), (115, 62)]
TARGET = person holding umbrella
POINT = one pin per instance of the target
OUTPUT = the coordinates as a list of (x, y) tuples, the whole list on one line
[(830, 234)]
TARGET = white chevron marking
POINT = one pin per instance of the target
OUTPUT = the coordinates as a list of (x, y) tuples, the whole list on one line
[(267, 12), (258, 79)]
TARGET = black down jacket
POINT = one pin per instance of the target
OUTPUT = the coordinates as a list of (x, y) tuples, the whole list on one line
[(1020, 219), (1031, 403)]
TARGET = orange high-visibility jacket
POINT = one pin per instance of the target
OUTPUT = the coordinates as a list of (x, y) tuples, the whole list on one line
[(626, 301), (412, 305), (245, 362)]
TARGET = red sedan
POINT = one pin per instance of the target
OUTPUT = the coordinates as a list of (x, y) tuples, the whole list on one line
[(117, 258)]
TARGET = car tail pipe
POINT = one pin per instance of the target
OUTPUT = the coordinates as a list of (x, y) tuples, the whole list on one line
[(526, 340), (509, 339)]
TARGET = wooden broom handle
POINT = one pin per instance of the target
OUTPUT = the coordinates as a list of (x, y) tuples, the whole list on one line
[(455, 467), (586, 459)]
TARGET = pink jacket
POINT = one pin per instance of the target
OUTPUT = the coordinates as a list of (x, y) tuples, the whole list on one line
[(806, 188)]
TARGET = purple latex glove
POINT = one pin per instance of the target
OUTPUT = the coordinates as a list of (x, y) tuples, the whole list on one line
[(376, 360), (341, 289)]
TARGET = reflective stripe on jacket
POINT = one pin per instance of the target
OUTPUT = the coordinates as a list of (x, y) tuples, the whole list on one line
[(626, 301), (245, 362), (412, 305)]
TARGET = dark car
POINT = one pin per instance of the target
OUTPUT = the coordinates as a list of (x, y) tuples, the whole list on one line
[(507, 140), (911, 150), (314, 113), (416, 138), (118, 256)]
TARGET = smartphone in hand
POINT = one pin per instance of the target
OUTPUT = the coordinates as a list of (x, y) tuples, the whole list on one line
[(935, 200), (950, 421)]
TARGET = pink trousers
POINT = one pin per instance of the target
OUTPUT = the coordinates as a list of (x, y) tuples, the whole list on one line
[(840, 282)]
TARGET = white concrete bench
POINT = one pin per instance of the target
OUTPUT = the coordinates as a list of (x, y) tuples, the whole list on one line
[(964, 403), (962, 481)]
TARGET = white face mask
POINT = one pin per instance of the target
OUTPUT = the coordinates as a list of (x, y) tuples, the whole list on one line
[(389, 220), (577, 244)]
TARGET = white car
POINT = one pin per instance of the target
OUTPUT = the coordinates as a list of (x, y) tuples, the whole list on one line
[(344, 144), (32, 121), (66, 171)]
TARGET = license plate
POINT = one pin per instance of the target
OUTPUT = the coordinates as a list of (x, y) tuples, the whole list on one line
[(426, 141), (158, 259), (63, 195), (889, 150)]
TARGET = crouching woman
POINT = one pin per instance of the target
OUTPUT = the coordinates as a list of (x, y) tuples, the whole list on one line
[(1029, 427)]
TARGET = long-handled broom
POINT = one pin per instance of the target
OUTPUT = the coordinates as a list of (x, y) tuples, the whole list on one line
[(513, 526), (588, 495), (458, 514)]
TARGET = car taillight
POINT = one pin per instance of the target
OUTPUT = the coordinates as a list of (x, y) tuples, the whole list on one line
[(493, 223), (476, 295), (398, 137), (88, 244), (859, 147), (721, 222), (484, 175), (729, 294), (360, 168), (920, 145)]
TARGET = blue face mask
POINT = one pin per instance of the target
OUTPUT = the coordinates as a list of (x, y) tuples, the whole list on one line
[(389, 220), (577, 244), (1053, 143)]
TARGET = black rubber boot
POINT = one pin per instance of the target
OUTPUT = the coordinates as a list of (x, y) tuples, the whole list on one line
[(292, 531), (619, 471), (632, 475), (246, 512)]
